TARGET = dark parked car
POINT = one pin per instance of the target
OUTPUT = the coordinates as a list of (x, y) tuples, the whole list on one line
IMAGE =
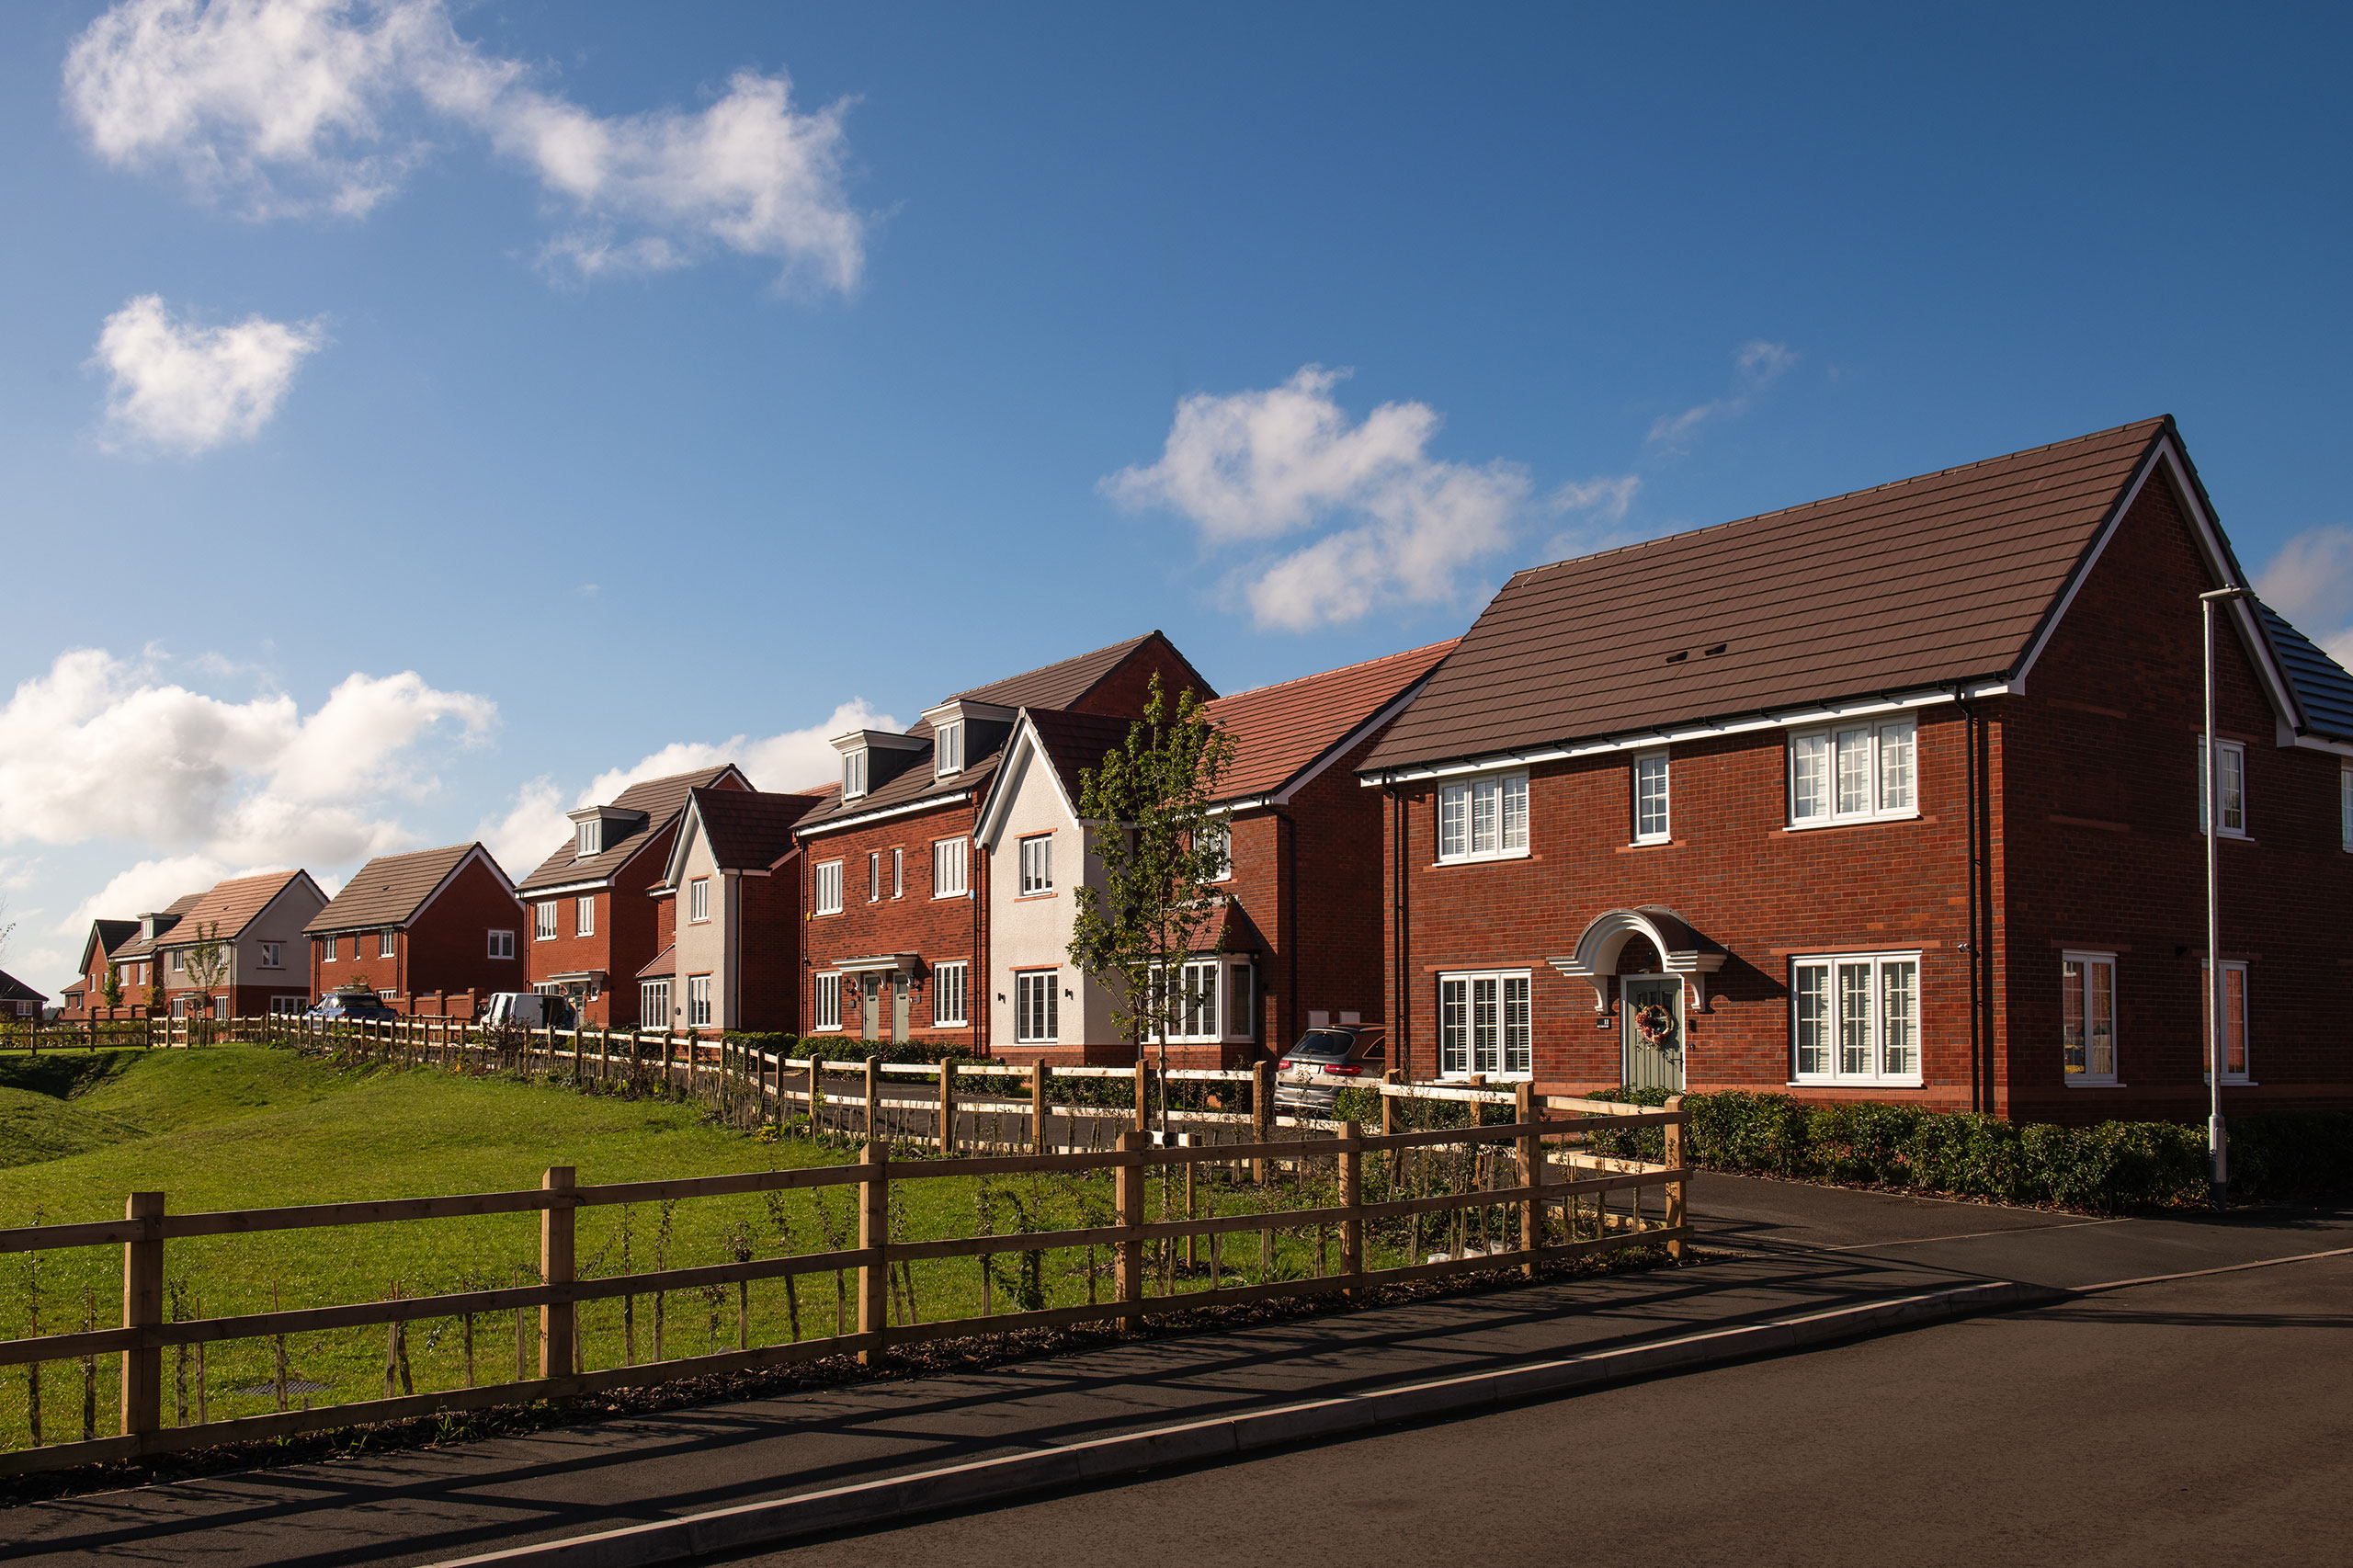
[(1311, 1075), (351, 1005)]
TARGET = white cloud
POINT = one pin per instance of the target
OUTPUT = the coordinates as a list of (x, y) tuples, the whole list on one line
[(2309, 581), (1755, 366), (1257, 465), (101, 747), (534, 825), (288, 107), (1604, 500), (186, 388)]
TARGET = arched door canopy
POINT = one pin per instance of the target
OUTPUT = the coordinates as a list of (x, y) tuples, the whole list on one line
[(1683, 950)]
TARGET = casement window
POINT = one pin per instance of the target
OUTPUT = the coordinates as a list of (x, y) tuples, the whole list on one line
[(387, 942), (1485, 819), (270, 955), (2235, 1058), (1855, 1018), (654, 1004), (947, 1002), (947, 868), (2232, 758), (1854, 773), (898, 873), (1037, 1006), (698, 900), (947, 748), (177, 955), (698, 1001), (1217, 843), (1195, 1003), (585, 837), (1650, 798), (585, 921), (853, 774), (2088, 1009), (825, 1004), (326, 950), (829, 887), (1483, 1024), (1038, 865), (501, 945), (873, 875), (543, 921)]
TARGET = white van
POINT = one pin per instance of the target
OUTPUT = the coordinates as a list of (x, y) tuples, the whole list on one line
[(527, 1008)]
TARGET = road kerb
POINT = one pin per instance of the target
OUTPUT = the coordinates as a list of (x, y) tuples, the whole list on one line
[(946, 1487)]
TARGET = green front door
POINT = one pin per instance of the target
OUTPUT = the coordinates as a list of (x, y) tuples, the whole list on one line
[(1651, 1015)]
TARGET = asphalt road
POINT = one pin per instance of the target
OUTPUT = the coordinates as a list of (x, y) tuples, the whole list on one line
[(2194, 1421)]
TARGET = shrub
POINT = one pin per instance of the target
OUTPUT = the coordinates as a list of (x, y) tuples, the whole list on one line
[(842, 1048)]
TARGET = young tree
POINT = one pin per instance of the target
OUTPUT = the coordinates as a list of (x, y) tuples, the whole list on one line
[(1162, 855), (206, 964), (112, 992)]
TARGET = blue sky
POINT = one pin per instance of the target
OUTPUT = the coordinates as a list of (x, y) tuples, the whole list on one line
[(597, 389)]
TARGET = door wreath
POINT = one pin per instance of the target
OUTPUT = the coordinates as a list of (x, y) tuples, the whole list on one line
[(1655, 1025)]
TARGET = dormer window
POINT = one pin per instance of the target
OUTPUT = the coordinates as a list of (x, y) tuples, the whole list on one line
[(853, 774), (588, 838), (947, 748)]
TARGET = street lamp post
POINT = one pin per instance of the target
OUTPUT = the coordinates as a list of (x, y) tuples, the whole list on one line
[(2218, 1046)]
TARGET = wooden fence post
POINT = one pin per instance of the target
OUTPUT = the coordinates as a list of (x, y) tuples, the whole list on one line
[(1129, 1189), (873, 1098), (555, 1268), (1531, 1175), (1389, 1123), (605, 1054), (813, 1076), (143, 1307), (873, 1235), (1672, 1137), (1038, 1077), (947, 1107), (1143, 1093), (1352, 1200), (1262, 1110)]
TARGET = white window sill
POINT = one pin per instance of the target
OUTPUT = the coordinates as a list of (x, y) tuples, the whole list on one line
[(1491, 1078), (1445, 861), (1661, 841), (1856, 821), (2208, 1079), (937, 896), (2080, 1081), (1854, 1084)]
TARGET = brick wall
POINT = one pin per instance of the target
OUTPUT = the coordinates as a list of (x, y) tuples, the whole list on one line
[(938, 930)]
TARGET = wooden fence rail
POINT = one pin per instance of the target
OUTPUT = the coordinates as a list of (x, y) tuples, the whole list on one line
[(1553, 1178)]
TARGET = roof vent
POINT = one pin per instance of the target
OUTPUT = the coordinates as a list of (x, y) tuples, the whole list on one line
[(1712, 652), (1678, 658)]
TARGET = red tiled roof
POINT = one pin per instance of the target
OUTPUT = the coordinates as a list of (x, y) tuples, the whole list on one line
[(664, 965), (389, 890), (1279, 731), (747, 830)]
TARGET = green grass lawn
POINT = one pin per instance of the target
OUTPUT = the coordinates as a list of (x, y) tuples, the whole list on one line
[(234, 1127)]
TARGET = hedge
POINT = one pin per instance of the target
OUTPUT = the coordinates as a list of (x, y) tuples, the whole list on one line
[(842, 1048), (2106, 1168)]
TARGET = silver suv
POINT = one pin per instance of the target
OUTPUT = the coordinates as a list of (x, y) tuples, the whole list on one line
[(1311, 1075)]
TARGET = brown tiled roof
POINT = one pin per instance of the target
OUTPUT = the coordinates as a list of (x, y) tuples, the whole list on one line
[(1074, 741), (1279, 731), (1054, 687), (1922, 581), (140, 946), (389, 890), (660, 799), (234, 904), (14, 990), (749, 831), (664, 964)]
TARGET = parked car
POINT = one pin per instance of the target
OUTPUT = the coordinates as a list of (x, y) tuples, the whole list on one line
[(529, 1009), (1309, 1078), (349, 1006)]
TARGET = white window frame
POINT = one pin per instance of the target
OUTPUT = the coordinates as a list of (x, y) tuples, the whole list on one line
[(179, 953), (947, 748), (543, 921), (1883, 754), (2233, 760), (947, 858), (898, 872), (326, 950), (1829, 972), (825, 1003), (697, 901), (273, 955), (585, 921), (852, 774), (1653, 802), (1486, 1023), (387, 942), (951, 995), (654, 1004), (1493, 809), (1036, 857), (2239, 1019), (584, 839), (1201, 982), (828, 894), (1037, 1006), (698, 1001), (501, 943), (2082, 976), (1217, 838)]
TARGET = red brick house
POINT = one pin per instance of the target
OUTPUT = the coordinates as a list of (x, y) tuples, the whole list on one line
[(425, 927), (893, 895), (593, 926), (1295, 940), (108, 939), (732, 901), (20, 1002), (1896, 795)]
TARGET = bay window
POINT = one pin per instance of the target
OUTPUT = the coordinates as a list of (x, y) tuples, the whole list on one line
[(1856, 1019)]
